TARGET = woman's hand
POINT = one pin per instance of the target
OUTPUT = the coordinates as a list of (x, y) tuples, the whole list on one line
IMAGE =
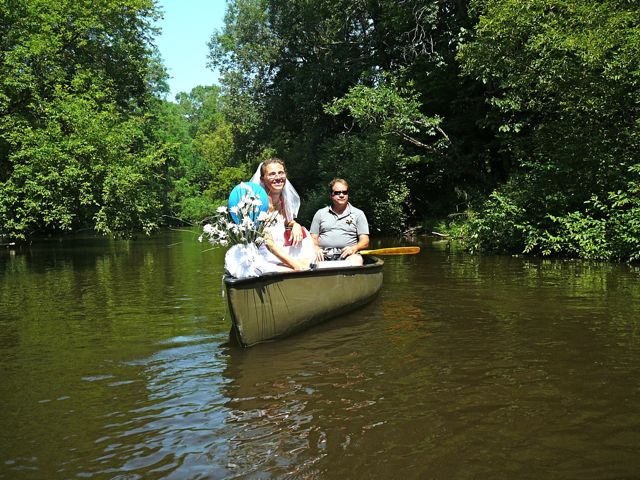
[(319, 254), (268, 241), (300, 265), (296, 233)]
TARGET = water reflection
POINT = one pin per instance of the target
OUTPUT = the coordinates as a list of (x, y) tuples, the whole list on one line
[(73, 316), (116, 365), (169, 428), (293, 403)]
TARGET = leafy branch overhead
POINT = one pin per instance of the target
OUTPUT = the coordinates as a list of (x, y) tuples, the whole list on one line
[(394, 109)]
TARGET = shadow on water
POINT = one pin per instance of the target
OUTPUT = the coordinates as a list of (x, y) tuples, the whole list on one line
[(116, 364)]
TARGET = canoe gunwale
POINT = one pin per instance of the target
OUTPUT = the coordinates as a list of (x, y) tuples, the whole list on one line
[(376, 264)]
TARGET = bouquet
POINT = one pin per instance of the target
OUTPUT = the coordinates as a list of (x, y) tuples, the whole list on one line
[(244, 222), (222, 230)]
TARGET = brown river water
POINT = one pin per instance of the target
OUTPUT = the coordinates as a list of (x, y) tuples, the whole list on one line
[(114, 364)]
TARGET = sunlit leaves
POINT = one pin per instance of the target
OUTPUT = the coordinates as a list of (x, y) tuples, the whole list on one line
[(76, 80), (393, 108), (563, 78)]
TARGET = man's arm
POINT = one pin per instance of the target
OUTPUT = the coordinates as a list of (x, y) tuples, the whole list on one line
[(363, 242), (362, 227)]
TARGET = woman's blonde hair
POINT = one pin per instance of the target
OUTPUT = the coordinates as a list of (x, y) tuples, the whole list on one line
[(263, 167)]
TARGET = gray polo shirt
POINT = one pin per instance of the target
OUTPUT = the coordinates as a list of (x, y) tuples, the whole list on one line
[(338, 231)]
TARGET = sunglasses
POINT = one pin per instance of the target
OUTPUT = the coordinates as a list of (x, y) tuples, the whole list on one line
[(340, 192)]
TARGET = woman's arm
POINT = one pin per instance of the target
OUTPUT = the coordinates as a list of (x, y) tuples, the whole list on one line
[(284, 257), (296, 232)]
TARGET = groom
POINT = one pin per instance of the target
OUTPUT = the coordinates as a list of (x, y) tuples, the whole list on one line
[(341, 230)]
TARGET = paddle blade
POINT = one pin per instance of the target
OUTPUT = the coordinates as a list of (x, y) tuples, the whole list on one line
[(391, 251)]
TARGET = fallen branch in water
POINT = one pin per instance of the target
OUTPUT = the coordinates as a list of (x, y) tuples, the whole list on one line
[(410, 232)]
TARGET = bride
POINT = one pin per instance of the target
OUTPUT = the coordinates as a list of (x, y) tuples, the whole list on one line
[(288, 245)]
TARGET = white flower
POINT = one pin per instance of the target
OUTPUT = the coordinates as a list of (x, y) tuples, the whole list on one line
[(244, 223)]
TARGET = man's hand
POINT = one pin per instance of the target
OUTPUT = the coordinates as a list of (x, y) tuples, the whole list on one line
[(348, 251)]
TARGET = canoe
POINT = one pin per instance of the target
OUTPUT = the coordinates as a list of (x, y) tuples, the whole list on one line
[(276, 305)]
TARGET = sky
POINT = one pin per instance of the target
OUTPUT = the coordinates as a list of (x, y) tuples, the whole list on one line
[(186, 28)]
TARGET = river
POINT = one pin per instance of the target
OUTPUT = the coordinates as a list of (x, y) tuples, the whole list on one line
[(115, 364)]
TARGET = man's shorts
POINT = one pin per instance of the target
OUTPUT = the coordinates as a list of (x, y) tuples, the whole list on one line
[(331, 254)]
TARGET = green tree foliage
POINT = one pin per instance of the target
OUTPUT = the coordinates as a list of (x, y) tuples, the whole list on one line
[(202, 141), (523, 114), (244, 53), (389, 116), (76, 146), (392, 110), (283, 63), (564, 85), (79, 169)]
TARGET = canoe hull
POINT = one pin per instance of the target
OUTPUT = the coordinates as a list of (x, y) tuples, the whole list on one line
[(277, 305)]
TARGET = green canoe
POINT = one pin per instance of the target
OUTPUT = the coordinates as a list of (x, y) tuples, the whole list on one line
[(278, 304)]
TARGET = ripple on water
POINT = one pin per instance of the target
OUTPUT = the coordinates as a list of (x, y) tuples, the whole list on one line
[(462, 368)]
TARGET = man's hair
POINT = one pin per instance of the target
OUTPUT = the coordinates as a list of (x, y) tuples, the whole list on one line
[(337, 180)]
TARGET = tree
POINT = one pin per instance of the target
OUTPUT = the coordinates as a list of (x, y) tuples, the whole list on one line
[(244, 53), (201, 140), (76, 81), (323, 51), (564, 86)]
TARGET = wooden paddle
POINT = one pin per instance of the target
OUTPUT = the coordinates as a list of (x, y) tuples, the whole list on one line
[(391, 251)]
